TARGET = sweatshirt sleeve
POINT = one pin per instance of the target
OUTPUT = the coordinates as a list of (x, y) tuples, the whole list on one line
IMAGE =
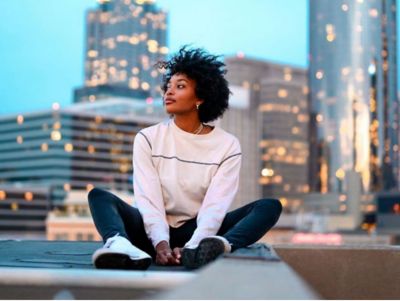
[(147, 191), (219, 197)]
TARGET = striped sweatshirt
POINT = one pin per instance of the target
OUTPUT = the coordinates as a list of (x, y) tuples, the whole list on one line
[(179, 176)]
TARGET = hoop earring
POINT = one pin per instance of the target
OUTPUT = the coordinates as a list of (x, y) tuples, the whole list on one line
[(197, 106)]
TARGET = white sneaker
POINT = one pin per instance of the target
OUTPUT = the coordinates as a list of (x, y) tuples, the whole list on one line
[(209, 249), (119, 253)]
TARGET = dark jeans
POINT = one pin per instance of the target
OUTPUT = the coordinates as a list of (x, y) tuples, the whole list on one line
[(241, 227)]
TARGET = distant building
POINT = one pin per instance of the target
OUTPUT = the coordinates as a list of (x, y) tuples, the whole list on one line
[(269, 114), (125, 39), (73, 220), (353, 90), (46, 155), (388, 212), (24, 207)]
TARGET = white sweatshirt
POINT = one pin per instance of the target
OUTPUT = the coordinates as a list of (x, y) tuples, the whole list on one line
[(179, 175)]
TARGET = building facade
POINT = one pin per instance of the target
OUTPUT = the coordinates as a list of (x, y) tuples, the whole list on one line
[(354, 109), (64, 150), (125, 39), (268, 113)]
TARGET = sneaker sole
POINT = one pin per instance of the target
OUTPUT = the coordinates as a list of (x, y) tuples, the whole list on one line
[(121, 262), (208, 250)]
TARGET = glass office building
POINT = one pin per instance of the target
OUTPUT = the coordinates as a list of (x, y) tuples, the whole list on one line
[(125, 39), (354, 109), (269, 114)]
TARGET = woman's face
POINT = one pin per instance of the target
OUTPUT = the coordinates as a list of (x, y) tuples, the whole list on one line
[(180, 96)]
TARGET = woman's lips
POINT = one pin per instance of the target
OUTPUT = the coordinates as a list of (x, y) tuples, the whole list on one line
[(169, 101)]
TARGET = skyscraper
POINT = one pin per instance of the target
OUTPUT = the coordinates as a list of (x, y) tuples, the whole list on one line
[(125, 39), (354, 105), (268, 113)]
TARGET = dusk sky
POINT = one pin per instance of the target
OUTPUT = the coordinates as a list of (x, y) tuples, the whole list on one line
[(42, 48)]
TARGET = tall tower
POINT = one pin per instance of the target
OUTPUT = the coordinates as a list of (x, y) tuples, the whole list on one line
[(125, 39), (354, 105)]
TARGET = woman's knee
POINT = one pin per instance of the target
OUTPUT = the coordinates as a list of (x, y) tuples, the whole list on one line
[(270, 205), (97, 194)]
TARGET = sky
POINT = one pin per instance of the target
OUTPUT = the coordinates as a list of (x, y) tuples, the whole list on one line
[(43, 41)]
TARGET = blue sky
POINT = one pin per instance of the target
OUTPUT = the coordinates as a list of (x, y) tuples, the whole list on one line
[(42, 41)]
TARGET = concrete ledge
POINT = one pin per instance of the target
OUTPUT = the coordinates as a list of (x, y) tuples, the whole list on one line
[(243, 279), (347, 272), (30, 283)]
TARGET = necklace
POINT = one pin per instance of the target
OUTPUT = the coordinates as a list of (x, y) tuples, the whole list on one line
[(199, 129)]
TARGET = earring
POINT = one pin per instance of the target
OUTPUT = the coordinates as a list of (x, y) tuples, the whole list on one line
[(197, 105)]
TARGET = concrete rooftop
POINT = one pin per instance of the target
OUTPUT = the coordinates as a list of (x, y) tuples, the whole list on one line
[(63, 270)]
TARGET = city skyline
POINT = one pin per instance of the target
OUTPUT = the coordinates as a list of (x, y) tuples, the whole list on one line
[(45, 63)]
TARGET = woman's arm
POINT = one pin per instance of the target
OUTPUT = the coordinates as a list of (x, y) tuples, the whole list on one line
[(219, 197), (147, 190)]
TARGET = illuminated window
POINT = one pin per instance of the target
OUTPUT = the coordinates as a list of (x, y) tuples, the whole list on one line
[(319, 118), (287, 77), (3, 195), (28, 196), (56, 136), (266, 172), (57, 125), (373, 12), (14, 206), (134, 83), (330, 32), (20, 119), (67, 187), (68, 147), (92, 53), (345, 7), (134, 40), (44, 147), (281, 151), (278, 179), (91, 149), (164, 50), (145, 86), (295, 109), (282, 93), (340, 174), (152, 46), (20, 139), (92, 98), (319, 74), (345, 71)]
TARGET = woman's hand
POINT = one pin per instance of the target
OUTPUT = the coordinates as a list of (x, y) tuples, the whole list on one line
[(177, 254), (165, 256)]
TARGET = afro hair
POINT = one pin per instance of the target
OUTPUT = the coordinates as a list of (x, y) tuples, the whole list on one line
[(208, 73)]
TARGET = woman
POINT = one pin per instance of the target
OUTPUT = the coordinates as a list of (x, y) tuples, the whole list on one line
[(186, 175)]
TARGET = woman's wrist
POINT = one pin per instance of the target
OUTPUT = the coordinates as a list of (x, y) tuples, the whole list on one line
[(162, 245)]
